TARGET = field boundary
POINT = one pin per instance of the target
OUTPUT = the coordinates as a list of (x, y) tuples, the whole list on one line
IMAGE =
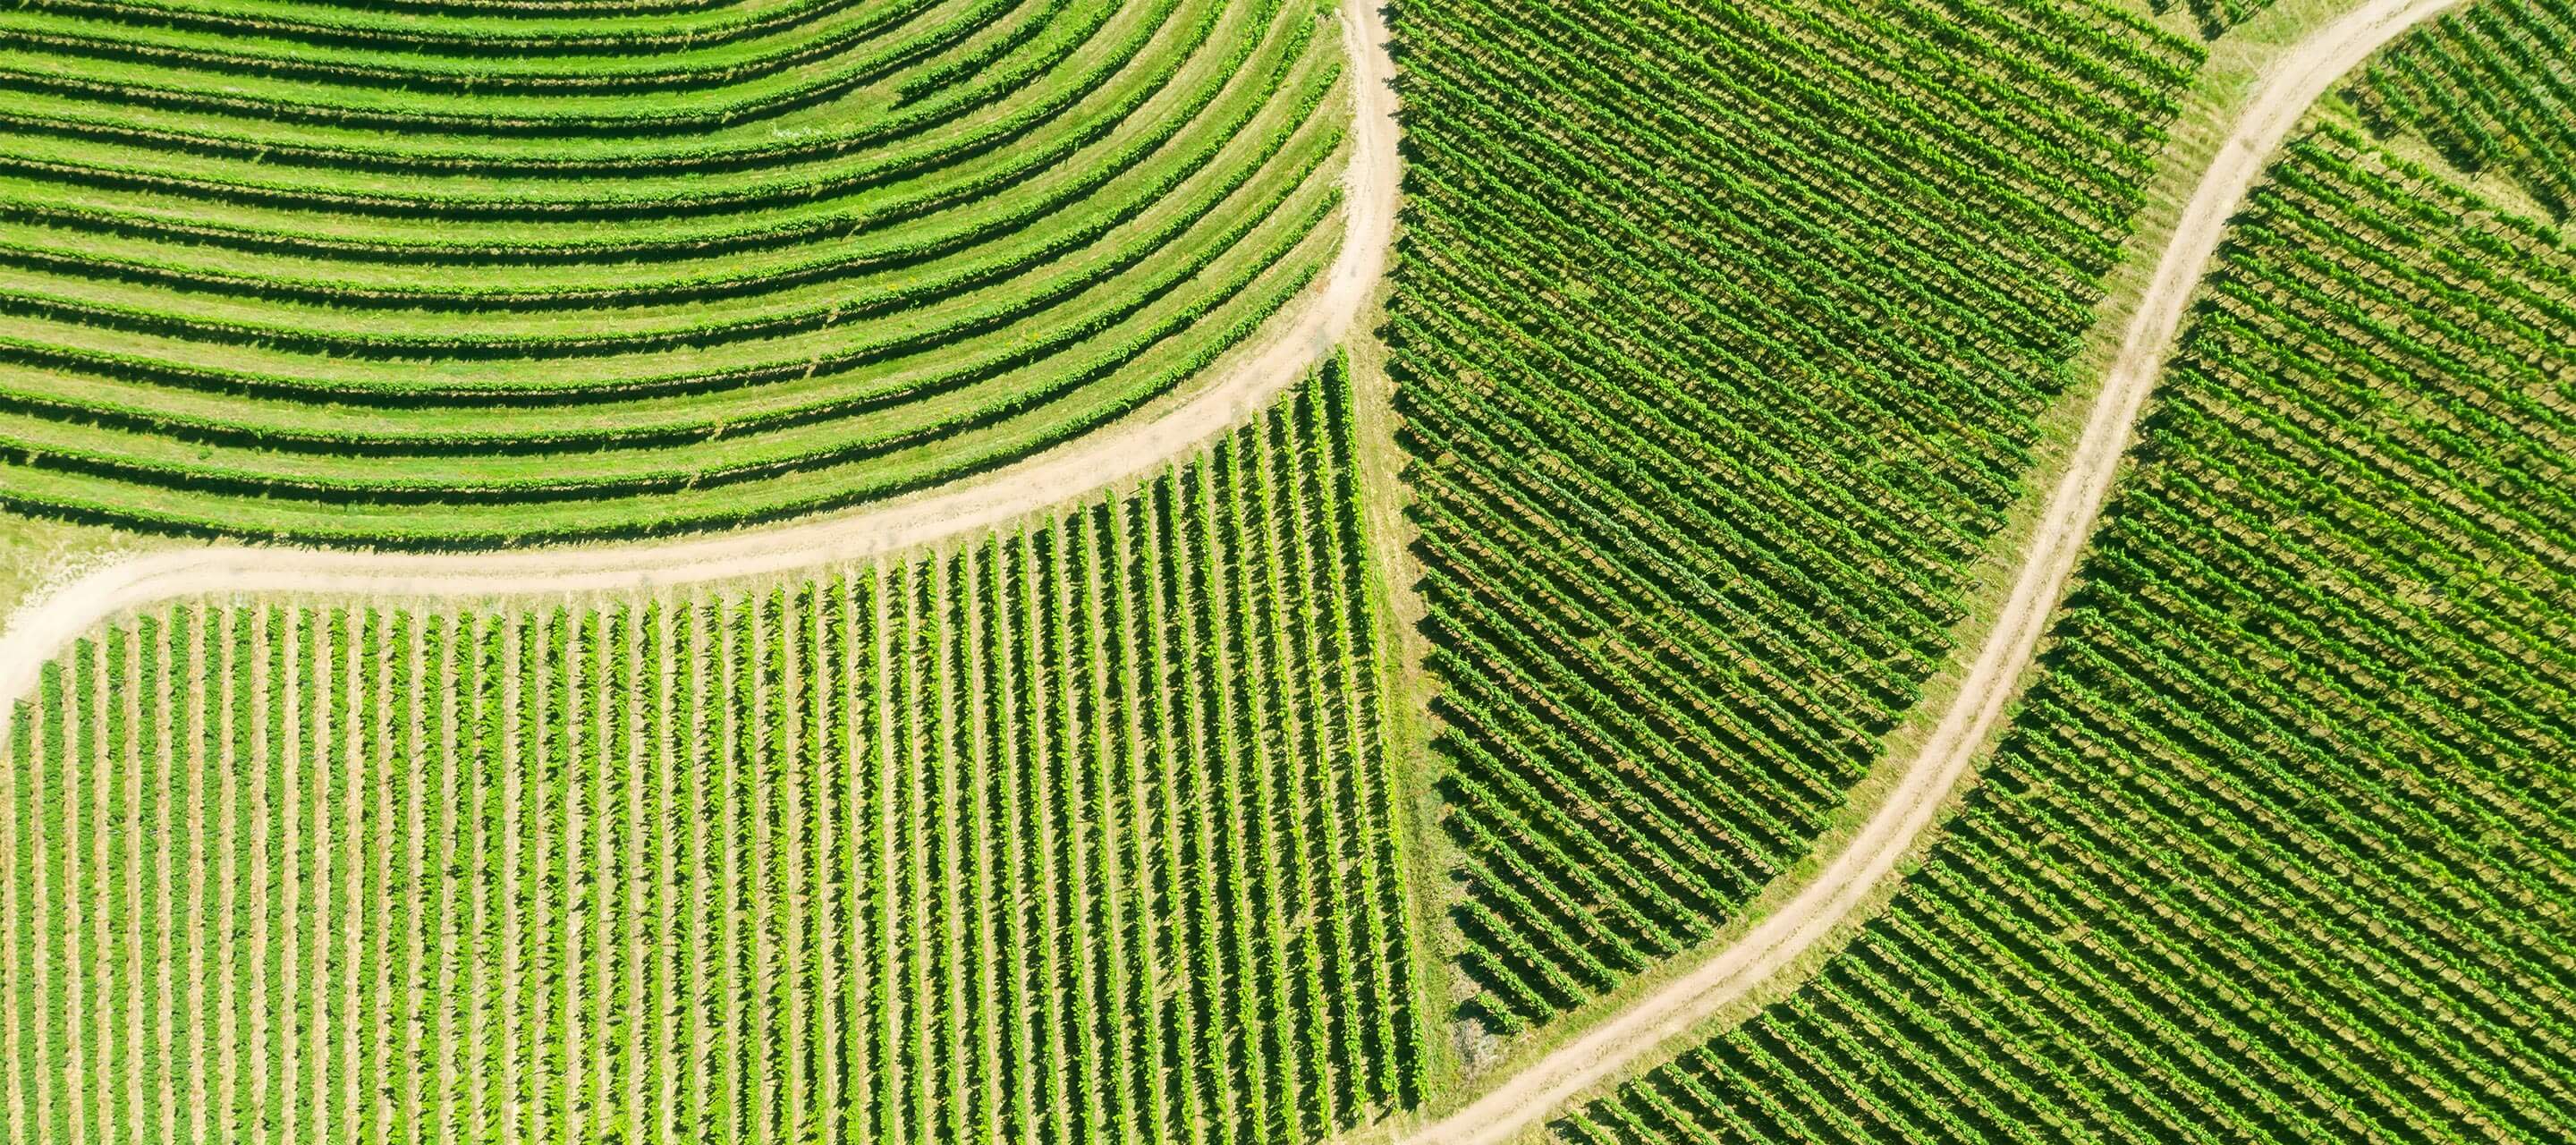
[(39, 629), (1847, 880)]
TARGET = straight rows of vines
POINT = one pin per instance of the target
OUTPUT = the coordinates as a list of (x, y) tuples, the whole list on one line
[(2282, 844), (1721, 331), (1077, 833)]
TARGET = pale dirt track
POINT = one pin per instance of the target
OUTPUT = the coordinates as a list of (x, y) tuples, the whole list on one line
[(44, 626), (1626, 1039)]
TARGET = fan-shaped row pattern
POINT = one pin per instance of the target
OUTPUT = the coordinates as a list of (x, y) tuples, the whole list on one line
[(417, 277)]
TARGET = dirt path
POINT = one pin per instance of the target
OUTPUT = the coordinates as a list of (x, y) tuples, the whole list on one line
[(41, 628), (1630, 1038)]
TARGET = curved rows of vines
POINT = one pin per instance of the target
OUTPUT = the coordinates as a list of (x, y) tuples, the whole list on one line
[(1076, 833), (2492, 86), (1720, 351), (448, 275), (2282, 845)]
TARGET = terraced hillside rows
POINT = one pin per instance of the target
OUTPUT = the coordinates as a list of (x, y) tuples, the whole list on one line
[(1717, 364), (1074, 833), (2491, 86), (445, 274), (2280, 846)]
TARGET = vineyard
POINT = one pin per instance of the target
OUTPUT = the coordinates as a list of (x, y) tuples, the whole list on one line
[(2491, 87), (455, 274), (2280, 846), (1287, 572), (1718, 356), (1074, 833)]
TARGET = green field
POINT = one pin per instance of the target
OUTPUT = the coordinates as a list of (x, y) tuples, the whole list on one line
[(1078, 832), (1716, 371), (1715, 653), (2280, 846), (453, 275)]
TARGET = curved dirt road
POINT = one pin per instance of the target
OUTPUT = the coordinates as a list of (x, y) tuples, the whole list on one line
[(1624, 1040), (43, 626)]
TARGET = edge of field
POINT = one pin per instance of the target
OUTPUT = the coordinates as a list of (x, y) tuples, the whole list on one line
[(2226, 86), (1407, 688)]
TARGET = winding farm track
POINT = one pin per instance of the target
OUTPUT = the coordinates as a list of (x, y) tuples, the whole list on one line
[(41, 628), (1628, 1039)]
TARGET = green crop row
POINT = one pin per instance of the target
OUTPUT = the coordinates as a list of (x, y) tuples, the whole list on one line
[(2281, 843), (281, 85), (1076, 832), (566, 31), (247, 48)]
